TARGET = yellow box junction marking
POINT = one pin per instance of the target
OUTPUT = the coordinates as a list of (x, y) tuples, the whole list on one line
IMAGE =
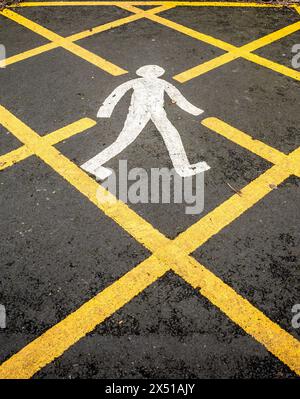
[(59, 338), (167, 254), (232, 52), (65, 43), (141, 230), (147, 3), (56, 137), (85, 54), (244, 140)]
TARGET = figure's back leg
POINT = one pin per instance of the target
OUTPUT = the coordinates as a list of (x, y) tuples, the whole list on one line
[(175, 147), (133, 126)]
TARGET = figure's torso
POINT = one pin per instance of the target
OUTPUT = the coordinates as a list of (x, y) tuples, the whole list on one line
[(148, 94)]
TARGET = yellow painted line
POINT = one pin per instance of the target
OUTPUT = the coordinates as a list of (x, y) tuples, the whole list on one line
[(66, 333), (275, 339), (205, 67), (65, 43), (146, 3), (271, 37), (166, 254), (239, 310), (212, 223), (13, 157), (294, 162), (30, 53), (183, 29), (254, 45), (141, 230), (259, 148), (233, 51), (283, 345), (55, 137), (274, 66), (244, 140), (59, 338), (68, 131), (236, 52), (55, 341), (201, 69), (192, 33), (82, 35), (115, 24)]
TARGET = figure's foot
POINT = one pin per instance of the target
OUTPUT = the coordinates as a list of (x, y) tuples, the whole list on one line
[(101, 173), (193, 169)]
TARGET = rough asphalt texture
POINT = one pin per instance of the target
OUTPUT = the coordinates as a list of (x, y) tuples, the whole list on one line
[(58, 250)]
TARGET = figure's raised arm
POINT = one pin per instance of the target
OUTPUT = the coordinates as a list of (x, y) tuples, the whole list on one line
[(112, 100), (181, 101)]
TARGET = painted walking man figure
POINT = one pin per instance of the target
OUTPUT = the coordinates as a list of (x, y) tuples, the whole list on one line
[(147, 103)]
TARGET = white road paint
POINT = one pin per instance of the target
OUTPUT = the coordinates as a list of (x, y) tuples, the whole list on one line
[(147, 103), (2, 56), (2, 316)]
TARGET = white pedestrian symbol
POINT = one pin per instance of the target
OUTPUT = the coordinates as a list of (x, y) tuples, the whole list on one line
[(147, 103)]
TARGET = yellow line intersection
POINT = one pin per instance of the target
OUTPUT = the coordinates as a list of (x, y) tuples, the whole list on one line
[(65, 43), (166, 254), (232, 52), (244, 140), (77, 36), (56, 137), (147, 3)]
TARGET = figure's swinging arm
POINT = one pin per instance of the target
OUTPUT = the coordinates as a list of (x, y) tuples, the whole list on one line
[(181, 101), (112, 100)]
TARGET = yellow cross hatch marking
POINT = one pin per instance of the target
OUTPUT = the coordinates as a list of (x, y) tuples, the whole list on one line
[(166, 254), (141, 230), (77, 36), (56, 137), (54, 342), (147, 3), (244, 140), (232, 52), (65, 43)]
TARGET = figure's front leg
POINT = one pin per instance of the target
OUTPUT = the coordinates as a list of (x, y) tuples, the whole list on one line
[(134, 124)]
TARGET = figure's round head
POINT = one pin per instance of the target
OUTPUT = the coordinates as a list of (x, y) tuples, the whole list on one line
[(150, 71)]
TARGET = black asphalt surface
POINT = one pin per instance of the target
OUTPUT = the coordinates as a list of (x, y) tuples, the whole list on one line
[(58, 250)]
